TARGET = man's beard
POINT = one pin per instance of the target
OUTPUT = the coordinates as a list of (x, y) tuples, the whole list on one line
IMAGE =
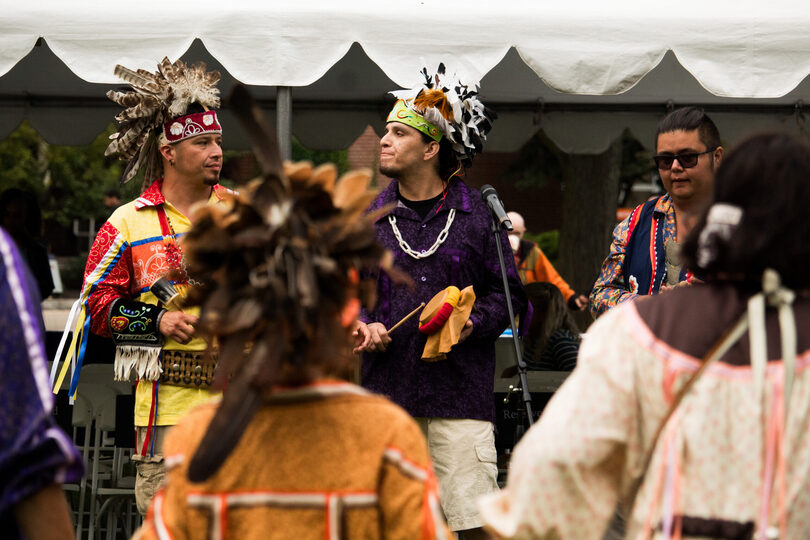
[(208, 181), (389, 171)]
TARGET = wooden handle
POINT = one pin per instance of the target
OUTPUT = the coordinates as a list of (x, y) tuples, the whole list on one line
[(406, 317)]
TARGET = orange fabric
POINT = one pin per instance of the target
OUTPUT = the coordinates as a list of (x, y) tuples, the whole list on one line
[(326, 443), (536, 267), (439, 343)]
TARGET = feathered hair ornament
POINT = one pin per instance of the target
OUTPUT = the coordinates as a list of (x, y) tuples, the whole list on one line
[(157, 99), (449, 106), (278, 265)]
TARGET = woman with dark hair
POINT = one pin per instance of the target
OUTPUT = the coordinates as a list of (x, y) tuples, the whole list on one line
[(773, 229), (553, 338), (690, 408)]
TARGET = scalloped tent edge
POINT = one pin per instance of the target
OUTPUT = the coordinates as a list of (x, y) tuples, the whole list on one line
[(326, 69)]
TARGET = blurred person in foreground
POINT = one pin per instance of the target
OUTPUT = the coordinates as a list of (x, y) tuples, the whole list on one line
[(690, 409), (36, 457), (533, 266), (292, 451), (645, 254)]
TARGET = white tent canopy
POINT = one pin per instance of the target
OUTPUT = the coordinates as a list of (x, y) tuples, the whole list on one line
[(582, 71)]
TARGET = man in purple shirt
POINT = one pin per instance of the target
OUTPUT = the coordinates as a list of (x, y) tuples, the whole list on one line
[(439, 231)]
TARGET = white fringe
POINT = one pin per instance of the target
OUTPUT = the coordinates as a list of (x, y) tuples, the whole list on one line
[(145, 361)]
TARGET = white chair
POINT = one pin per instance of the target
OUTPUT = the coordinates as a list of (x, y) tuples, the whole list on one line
[(82, 419), (92, 395), (111, 491), (94, 410)]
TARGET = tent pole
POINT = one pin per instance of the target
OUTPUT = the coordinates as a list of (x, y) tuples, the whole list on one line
[(284, 120)]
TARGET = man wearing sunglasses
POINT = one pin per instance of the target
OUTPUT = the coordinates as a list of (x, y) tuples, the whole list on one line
[(687, 153)]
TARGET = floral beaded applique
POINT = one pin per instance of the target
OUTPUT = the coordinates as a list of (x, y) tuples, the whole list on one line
[(174, 255)]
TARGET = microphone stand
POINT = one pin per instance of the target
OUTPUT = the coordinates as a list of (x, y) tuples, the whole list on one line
[(521, 365)]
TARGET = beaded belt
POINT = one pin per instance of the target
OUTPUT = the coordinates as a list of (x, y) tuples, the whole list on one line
[(191, 369)]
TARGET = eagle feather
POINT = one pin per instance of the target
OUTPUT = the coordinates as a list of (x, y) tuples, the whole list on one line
[(153, 100)]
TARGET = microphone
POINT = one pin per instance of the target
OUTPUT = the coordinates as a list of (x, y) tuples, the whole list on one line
[(490, 196)]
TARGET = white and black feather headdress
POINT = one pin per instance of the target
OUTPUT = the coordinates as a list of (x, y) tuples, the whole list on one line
[(454, 108)]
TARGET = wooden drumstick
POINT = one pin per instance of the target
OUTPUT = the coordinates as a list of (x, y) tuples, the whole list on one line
[(406, 317)]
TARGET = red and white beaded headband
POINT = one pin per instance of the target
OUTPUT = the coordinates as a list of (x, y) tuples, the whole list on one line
[(191, 125)]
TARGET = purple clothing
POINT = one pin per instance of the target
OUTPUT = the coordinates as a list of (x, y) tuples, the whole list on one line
[(461, 386), (34, 453)]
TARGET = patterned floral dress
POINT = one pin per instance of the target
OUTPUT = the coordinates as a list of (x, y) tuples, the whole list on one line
[(728, 464)]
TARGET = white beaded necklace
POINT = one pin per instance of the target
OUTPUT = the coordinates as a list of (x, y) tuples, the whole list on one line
[(428, 252)]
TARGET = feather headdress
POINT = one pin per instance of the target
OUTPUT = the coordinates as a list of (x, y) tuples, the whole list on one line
[(452, 107), (156, 99), (277, 267)]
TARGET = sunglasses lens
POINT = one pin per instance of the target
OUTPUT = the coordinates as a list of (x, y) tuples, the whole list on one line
[(688, 160), (664, 162)]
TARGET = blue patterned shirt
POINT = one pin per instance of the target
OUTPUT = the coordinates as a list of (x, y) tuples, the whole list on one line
[(610, 288)]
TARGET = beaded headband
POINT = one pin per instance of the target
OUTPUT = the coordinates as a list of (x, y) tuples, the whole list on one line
[(404, 115), (191, 125)]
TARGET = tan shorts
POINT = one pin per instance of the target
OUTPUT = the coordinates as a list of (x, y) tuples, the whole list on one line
[(465, 461), (150, 469)]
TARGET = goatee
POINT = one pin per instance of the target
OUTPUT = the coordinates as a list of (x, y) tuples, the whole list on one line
[(390, 172)]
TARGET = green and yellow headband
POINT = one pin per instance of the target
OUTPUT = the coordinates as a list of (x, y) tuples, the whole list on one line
[(405, 115)]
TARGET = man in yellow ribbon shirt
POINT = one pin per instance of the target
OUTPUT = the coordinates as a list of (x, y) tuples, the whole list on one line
[(179, 145)]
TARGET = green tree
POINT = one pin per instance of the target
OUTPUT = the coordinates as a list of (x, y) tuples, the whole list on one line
[(68, 181), (78, 178), (19, 160), (339, 157)]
